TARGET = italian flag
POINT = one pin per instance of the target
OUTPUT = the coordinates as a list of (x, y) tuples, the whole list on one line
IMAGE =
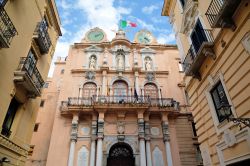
[(124, 24)]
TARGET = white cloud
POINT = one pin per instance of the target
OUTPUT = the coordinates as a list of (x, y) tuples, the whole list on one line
[(97, 13), (149, 9), (166, 39)]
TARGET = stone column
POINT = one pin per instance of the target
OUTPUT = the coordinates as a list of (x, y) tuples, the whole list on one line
[(99, 141), (93, 140), (142, 142), (137, 82), (148, 149), (73, 139), (104, 81), (166, 139)]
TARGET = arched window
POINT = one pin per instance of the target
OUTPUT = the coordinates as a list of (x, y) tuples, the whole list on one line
[(120, 88), (150, 90), (92, 62), (89, 89)]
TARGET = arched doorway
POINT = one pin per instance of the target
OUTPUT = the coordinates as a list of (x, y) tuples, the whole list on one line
[(121, 154)]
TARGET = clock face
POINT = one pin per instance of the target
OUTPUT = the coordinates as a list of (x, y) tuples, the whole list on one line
[(144, 37), (95, 36)]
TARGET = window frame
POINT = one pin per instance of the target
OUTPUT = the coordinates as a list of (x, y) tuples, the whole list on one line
[(3, 3), (221, 99)]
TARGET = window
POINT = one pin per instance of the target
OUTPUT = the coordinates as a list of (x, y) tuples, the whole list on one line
[(194, 130), (120, 88), (219, 97), (46, 85), (31, 63), (150, 90), (42, 103), (3, 2), (9, 118), (89, 89), (36, 127), (62, 71), (183, 2)]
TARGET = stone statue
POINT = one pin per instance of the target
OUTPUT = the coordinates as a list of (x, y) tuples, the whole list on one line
[(92, 62), (120, 62), (148, 65)]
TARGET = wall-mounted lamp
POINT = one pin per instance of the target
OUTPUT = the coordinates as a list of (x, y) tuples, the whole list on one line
[(225, 110)]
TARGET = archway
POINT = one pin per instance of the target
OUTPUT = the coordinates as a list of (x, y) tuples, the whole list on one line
[(121, 154)]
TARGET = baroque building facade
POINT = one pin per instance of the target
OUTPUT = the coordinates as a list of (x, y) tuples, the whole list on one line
[(213, 39), (29, 30), (115, 103)]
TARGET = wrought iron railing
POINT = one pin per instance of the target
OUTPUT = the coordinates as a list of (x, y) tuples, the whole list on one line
[(29, 66), (43, 39), (201, 37), (7, 29), (120, 99), (213, 10)]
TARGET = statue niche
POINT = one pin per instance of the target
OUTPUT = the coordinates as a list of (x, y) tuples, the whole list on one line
[(120, 62), (148, 64), (92, 62)]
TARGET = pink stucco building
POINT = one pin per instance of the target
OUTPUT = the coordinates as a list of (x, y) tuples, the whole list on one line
[(115, 103)]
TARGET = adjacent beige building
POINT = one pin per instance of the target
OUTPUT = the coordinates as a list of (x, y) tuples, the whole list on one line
[(213, 38), (29, 30), (115, 103)]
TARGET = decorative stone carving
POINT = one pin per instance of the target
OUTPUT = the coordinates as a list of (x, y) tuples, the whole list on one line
[(92, 62), (229, 138), (150, 76), (157, 157), (100, 128), (120, 61), (85, 131), (206, 156), (141, 131), (90, 75), (83, 157), (155, 131), (105, 59), (165, 131), (148, 64), (120, 127), (189, 14), (74, 127)]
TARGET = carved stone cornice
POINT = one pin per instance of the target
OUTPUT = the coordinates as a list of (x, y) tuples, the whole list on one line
[(8, 144), (189, 14)]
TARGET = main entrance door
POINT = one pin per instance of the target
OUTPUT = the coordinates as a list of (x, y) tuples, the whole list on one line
[(121, 154)]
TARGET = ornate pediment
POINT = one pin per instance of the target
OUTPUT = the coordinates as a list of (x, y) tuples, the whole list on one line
[(93, 48), (189, 14), (120, 48), (147, 50)]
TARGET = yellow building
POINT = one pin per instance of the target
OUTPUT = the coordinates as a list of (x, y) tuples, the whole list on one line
[(213, 38), (29, 30)]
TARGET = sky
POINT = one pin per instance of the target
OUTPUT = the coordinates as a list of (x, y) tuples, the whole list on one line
[(79, 16)]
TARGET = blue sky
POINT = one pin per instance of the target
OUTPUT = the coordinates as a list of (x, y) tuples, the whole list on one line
[(78, 16)]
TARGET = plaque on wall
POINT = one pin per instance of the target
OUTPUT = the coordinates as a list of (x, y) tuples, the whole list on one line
[(155, 131), (85, 131), (83, 157)]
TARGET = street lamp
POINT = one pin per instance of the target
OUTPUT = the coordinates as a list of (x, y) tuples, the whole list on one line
[(225, 110)]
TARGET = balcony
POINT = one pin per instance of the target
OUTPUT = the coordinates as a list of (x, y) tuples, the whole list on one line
[(28, 77), (42, 37), (220, 13), (7, 29), (201, 47), (117, 102)]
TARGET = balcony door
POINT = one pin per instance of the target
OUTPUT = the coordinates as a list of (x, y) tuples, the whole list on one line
[(120, 90), (89, 90), (198, 36), (151, 91)]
